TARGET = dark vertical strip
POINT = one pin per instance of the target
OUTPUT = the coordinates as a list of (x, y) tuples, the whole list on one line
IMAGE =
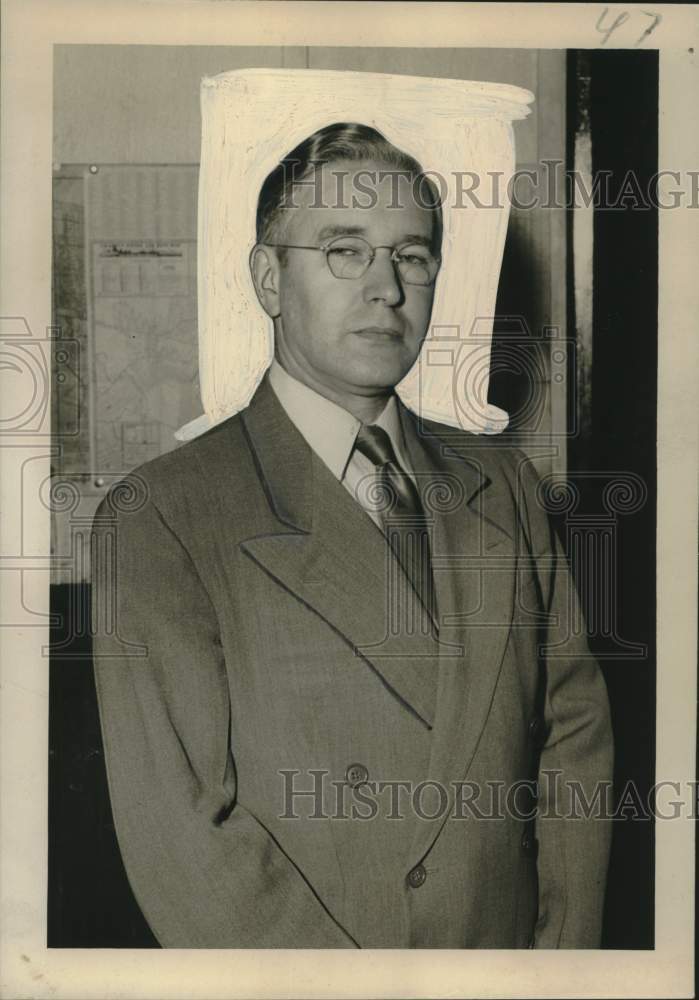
[(623, 439), (90, 903)]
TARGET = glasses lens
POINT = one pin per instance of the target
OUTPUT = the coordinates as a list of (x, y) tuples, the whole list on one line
[(348, 256), (416, 264)]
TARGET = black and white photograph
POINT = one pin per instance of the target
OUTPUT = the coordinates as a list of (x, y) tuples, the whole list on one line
[(349, 451)]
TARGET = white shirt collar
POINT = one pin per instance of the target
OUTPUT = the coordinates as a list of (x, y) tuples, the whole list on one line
[(329, 429)]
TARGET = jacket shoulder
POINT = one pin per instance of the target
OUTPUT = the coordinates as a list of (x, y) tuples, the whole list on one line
[(497, 456), (178, 473), (184, 460)]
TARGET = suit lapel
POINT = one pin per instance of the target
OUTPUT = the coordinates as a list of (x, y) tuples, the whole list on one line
[(473, 554), (328, 552)]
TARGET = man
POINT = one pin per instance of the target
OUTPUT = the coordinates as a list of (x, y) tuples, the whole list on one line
[(340, 649)]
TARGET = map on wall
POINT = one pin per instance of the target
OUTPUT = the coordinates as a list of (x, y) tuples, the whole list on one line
[(142, 311), (145, 351)]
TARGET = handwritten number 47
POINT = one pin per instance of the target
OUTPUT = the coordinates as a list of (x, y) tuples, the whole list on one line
[(606, 30)]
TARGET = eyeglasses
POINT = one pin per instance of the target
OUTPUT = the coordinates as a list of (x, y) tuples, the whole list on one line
[(350, 257)]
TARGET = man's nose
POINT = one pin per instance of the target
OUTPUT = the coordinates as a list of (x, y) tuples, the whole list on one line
[(382, 281)]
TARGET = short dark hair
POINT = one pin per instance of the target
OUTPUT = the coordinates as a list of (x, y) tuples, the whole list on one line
[(339, 141)]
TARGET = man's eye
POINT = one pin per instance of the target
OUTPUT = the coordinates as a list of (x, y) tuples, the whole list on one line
[(414, 256), (345, 251)]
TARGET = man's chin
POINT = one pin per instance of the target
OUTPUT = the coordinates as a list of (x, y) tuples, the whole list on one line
[(375, 372), (376, 379)]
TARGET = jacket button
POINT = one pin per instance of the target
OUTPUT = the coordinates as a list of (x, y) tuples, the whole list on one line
[(530, 845), (356, 774), (417, 877)]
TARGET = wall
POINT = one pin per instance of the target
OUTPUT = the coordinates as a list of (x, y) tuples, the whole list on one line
[(140, 104)]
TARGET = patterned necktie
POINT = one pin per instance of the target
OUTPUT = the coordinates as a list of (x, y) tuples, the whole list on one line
[(402, 516)]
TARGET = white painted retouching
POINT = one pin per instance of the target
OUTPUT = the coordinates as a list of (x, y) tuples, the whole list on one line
[(251, 118)]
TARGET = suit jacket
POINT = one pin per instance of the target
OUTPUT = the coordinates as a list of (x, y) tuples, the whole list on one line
[(247, 649)]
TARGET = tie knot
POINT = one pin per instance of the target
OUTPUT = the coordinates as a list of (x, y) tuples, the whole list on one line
[(374, 442)]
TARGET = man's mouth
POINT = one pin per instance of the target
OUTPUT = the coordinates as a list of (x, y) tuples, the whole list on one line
[(389, 332)]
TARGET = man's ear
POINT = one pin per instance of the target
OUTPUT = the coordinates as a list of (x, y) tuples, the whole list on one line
[(264, 269)]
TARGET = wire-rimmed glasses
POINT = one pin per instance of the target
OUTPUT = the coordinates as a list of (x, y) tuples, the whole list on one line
[(350, 257)]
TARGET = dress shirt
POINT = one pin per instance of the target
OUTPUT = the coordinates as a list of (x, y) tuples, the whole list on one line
[(331, 432)]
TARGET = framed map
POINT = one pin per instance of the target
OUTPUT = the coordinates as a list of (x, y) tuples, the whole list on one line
[(125, 366)]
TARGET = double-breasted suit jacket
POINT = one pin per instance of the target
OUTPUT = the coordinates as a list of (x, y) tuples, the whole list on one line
[(250, 646)]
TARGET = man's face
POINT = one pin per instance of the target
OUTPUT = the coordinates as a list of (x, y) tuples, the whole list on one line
[(358, 335)]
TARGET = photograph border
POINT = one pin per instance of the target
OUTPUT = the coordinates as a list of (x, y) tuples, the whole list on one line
[(28, 968)]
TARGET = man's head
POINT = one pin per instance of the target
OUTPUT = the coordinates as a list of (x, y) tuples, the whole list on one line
[(351, 316)]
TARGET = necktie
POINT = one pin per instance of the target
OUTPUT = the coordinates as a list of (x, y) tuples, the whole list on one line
[(402, 516)]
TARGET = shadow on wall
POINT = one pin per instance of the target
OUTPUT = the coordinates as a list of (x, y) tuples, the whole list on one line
[(519, 318)]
